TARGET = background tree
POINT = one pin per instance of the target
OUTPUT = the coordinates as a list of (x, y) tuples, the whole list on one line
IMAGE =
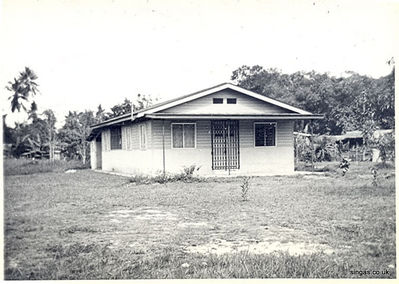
[(100, 114), (140, 102), (120, 109), (74, 133), (353, 102), (20, 134), (50, 121)]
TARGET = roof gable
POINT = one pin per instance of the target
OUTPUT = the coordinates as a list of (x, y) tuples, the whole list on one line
[(182, 100), (244, 104)]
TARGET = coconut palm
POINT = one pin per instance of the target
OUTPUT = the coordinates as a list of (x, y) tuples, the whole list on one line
[(23, 88)]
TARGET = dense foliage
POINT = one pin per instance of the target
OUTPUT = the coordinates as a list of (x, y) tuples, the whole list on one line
[(353, 102)]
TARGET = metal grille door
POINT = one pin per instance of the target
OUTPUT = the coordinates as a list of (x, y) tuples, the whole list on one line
[(225, 145)]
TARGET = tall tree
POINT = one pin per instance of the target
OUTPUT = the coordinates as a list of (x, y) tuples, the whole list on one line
[(24, 87), (50, 121), (74, 132), (100, 114)]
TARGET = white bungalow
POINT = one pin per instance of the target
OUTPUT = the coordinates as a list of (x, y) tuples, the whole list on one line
[(223, 129)]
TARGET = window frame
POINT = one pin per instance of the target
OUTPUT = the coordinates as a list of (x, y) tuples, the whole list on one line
[(221, 103), (183, 123), (275, 134), (110, 137), (231, 99), (141, 135)]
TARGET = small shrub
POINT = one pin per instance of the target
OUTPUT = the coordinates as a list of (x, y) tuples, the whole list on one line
[(189, 171), (187, 175), (344, 165), (245, 188), (140, 179)]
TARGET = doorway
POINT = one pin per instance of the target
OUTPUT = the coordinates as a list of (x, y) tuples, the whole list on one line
[(225, 145)]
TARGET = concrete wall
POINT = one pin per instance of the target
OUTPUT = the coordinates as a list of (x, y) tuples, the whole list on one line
[(134, 161), (95, 154), (267, 160), (253, 160)]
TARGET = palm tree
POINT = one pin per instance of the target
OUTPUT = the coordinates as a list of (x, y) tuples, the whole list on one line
[(23, 87)]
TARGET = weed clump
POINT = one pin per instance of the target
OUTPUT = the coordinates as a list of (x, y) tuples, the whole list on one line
[(187, 175)]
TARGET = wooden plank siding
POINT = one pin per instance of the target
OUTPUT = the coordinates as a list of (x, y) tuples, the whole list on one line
[(106, 140), (284, 133), (131, 135), (203, 128), (245, 105), (203, 134)]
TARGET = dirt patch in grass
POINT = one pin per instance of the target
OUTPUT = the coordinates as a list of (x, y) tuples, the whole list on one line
[(291, 248), (144, 213)]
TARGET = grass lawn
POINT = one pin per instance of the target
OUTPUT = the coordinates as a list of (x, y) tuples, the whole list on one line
[(91, 225)]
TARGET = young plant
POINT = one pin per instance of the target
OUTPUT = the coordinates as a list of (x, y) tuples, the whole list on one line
[(375, 175), (344, 166), (245, 188)]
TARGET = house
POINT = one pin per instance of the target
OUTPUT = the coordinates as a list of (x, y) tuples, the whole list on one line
[(353, 143), (223, 129), (350, 138)]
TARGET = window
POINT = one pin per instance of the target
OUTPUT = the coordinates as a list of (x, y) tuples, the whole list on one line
[(231, 101), (143, 137), (265, 134), (116, 138), (183, 135), (217, 101)]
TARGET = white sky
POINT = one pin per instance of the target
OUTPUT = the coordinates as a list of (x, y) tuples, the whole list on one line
[(88, 53)]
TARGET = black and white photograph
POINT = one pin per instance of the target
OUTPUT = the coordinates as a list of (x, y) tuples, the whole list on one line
[(222, 139)]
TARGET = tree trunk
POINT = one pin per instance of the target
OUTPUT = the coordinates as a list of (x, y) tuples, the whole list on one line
[(84, 153)]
